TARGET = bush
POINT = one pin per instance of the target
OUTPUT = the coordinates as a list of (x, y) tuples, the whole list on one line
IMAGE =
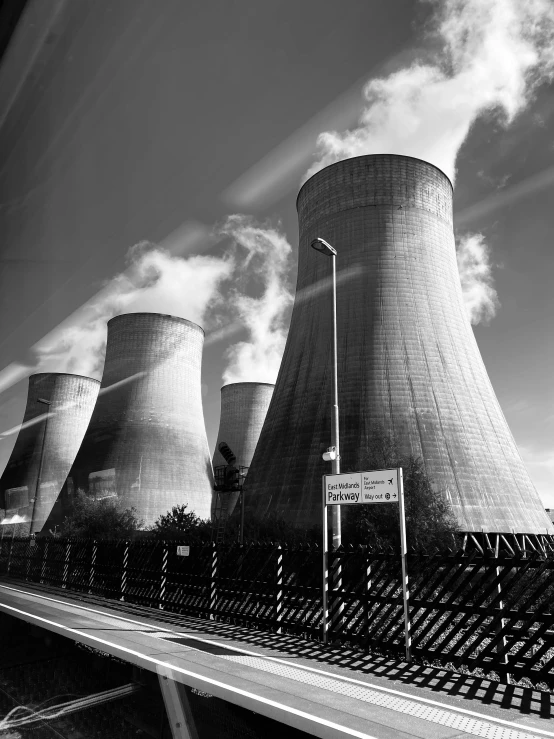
[(179, 523), (99, 519), (430, 523)]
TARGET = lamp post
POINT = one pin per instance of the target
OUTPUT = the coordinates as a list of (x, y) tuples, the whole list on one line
[(39, 475), (333, 455)]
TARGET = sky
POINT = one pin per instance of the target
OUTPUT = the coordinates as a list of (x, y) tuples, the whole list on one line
[(151, 154)]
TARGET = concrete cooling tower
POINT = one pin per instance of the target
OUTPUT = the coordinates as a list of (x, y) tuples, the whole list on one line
[(408, 362), (59, 407), (146, 441), (243, 410)]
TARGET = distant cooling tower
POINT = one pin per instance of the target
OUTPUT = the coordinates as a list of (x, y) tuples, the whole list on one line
[(47, 444), (146, 442), (409, 364), (243, 409)]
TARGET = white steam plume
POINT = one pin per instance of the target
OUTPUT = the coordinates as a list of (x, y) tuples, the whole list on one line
[(474, 266), (491, 55), (266, 264), (155, 282)]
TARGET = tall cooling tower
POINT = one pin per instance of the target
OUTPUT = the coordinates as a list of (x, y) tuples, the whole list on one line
[(146, 441), (409, 364), (47, 444), (243, 410)]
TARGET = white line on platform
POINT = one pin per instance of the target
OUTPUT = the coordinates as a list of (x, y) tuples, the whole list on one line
[(216, 683), (410, 696)]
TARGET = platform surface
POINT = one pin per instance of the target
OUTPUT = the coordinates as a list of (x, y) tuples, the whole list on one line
[(323, 691)]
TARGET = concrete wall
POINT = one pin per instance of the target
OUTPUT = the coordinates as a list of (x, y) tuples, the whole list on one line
[(409, 364), (146, 441), (72, 399)]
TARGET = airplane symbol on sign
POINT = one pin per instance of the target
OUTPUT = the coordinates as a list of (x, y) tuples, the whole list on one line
[(390, 481)]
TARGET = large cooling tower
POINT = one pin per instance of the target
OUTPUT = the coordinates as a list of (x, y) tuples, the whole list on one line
[(243, 409), (409, 365), (49, 439), (146, 442)]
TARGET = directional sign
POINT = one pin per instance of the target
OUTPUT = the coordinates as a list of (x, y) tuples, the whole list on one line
[(355, 488)]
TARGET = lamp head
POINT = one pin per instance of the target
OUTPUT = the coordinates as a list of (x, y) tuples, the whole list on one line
[(322, 246)]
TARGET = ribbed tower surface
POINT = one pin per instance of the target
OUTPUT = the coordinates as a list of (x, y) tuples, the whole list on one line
[(409, 364), (146, 441), (243, 410), (54, 439)]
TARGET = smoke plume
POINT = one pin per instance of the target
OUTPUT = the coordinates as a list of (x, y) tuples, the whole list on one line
[(263, 253), (246, 288), (155, 282), (474, 266), (491, 56)]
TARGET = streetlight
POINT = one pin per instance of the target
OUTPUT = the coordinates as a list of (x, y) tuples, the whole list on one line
[(333, 454), (37, 489)]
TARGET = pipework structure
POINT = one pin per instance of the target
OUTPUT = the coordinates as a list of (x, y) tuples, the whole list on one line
[(58, 410), (408, 363), (146, 442)]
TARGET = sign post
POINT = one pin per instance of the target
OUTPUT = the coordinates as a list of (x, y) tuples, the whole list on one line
[(363, 488)]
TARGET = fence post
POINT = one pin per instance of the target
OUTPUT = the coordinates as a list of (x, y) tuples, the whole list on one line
[(28, 558), (124, 571), (44, 560), (66, 565), (502, 643), (213, 586), (92, 563), (165, 555), (10, 554), (368, 586), (279, 589)]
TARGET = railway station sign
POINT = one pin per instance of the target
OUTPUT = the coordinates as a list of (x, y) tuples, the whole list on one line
[(356, 488)]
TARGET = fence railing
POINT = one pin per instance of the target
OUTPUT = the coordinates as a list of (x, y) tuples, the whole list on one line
[(476, 610)]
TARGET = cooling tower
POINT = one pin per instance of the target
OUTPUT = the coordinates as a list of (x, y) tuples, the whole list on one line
[(146, 441), (408, 362), (243, 409), (47, 444)]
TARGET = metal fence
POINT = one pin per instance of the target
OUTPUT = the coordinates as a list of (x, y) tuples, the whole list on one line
[(473, 610)]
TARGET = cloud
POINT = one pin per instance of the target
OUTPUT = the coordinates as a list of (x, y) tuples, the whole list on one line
[(155, 282), (263, 254), (474, 266), (491, 55), (198, 288)]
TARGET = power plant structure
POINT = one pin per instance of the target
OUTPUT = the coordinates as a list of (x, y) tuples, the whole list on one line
[(243, 410), (409, 367), (146, 442), (58, 411)]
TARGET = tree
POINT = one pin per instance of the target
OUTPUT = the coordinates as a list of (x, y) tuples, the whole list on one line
[(99, 519), (430, 522), (178, 523)]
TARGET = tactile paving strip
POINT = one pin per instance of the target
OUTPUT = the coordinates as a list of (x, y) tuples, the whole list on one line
[(445, 717)]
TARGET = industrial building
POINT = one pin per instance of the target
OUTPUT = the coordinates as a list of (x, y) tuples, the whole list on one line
[(58, 411), (146, 442), (408, 363), (243, 410)]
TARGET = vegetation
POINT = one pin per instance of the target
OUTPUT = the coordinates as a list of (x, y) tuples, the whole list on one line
[(179, 523), (99, 519), (430, 523)]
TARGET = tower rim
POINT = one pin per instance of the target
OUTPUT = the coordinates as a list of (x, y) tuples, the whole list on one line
[(192, 324), (372, 156), (231, 384), (63, 374)]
